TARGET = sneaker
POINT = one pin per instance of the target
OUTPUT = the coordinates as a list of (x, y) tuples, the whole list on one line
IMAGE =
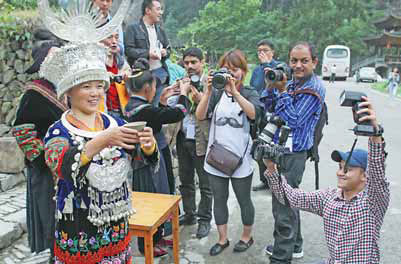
[(295, 255), (203, 229), (269, 250), (298, 255)]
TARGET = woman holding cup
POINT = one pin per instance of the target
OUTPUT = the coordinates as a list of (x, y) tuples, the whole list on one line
[(142, 85)]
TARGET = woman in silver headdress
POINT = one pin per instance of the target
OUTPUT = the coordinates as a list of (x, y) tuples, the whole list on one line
[(89, 152)]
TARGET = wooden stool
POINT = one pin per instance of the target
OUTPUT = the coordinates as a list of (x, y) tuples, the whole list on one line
[(152, 210)]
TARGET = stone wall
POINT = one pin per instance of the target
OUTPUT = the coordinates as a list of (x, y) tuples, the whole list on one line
[(15, 58)]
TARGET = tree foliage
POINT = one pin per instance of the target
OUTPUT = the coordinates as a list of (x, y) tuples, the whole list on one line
[(226, 24)]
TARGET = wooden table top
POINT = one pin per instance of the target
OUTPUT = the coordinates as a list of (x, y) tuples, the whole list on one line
[(151, 209)]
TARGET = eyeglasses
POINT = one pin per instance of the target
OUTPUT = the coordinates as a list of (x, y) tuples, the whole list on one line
[(232, 122), (264, 50)]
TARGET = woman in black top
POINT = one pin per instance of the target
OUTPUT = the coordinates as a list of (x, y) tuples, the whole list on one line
[(142, 85), (38, 109)]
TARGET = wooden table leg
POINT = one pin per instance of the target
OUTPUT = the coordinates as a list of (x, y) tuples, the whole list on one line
[(176, 236), (149, 248)]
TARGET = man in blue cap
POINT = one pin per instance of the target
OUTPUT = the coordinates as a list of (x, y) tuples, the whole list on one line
[(352, 213)]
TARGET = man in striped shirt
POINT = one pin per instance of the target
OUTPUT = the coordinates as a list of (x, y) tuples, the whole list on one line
[(301, 112), (352, 214)]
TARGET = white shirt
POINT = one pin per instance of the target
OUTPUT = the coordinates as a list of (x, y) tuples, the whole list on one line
[(333, 69), (155, 45), (234, 139)]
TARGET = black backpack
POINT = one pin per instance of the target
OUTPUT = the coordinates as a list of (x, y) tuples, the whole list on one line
[(313, 153)]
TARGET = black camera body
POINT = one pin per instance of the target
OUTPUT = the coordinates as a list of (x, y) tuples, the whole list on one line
[(277, 74), (116, 78), (264, 147), (353, 99), (195, 81), (220, 78)]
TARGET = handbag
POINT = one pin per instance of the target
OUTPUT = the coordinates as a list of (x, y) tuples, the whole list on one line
[(221, 158)]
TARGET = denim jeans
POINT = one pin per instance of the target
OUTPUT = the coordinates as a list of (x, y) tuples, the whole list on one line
[(161, 78), (287, 222)]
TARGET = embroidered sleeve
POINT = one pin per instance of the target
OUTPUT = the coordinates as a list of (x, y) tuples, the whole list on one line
[(55, 150), (28, 141)]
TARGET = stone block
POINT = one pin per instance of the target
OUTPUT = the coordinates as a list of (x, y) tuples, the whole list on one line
[(9, 181), (21, 77), (6, 106), (8, 76), (4, 129), (19, 66), (18, 217), (9, 232), (10, 117), (11, 157), (20, 54)]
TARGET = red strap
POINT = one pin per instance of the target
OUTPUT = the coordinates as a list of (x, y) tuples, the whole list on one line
[(310, 92)]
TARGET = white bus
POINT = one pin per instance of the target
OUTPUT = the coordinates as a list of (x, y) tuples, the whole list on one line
[(340, 56)]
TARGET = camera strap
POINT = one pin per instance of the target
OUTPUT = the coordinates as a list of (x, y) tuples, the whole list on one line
[(349, 156), (214, 117)]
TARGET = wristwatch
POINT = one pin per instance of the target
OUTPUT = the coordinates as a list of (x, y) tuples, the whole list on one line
[(378, 131)]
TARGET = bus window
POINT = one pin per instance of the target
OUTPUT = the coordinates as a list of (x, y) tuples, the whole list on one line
[(337, 53)]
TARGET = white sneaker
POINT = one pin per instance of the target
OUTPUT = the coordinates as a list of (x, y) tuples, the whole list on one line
[(295, 255), (298, 255)]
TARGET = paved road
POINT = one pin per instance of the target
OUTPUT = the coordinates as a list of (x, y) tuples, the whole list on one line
[(336, 137)]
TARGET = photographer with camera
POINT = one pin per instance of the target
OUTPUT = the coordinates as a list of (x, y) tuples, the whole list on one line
[(353, 213), (298, 104), (117, 95), (265, 50), (191, 150), (232, 107)]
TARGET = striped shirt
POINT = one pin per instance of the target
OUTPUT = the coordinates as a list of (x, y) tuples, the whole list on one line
[(301, 112), (351, 228)]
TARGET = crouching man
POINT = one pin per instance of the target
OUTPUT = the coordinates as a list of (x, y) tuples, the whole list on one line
[(353, 213)]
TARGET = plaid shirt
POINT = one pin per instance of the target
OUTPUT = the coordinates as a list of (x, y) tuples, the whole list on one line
[(352, 228)]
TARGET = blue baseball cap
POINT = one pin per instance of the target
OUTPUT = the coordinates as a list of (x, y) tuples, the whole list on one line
[(359, 158)]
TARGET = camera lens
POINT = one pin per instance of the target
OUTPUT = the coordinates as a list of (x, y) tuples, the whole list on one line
[(219, 81), (275, 75), (195, 81), (268, 132)]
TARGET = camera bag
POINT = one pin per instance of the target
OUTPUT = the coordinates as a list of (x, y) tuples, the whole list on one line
[(313, 153), (221, 158)]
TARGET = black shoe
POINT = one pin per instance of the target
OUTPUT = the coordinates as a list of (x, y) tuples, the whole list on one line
[(241, 246), (187, 220), (218, 248), (203, 229), (261, 186)]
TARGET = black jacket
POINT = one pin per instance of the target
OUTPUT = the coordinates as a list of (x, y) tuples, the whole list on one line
[(136, 42)]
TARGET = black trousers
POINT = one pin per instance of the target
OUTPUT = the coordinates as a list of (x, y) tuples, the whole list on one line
[(188, 162), (287, 222)]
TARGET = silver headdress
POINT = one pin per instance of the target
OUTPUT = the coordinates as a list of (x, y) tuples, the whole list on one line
[(83, 59)]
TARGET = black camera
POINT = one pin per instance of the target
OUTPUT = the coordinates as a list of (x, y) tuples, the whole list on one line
[(220, 78), (195, 81), (264, 147), (353, 99), (277, 74), (116, 78)]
